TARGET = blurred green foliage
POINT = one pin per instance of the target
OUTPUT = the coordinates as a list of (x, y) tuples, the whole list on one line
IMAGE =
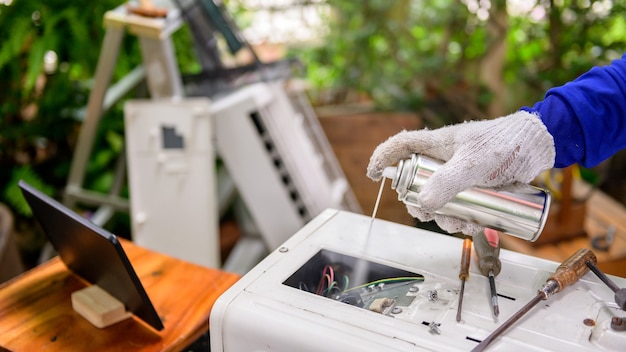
[(387, 49), (392, 52), (571, 38), (42, 105)]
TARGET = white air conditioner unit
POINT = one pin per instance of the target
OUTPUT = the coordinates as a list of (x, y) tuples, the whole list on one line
[(343, 283), (171, 171), (279, 158)]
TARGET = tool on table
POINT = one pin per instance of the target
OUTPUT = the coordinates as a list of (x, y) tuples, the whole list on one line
[(566, 274), (487, 249), (620, 293), (604, 242), (464, 271)]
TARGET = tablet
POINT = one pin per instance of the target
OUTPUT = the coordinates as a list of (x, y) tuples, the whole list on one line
[(91, 253)]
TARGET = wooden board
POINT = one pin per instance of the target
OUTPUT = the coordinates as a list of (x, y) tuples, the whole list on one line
[(36, 312), (353, 137)]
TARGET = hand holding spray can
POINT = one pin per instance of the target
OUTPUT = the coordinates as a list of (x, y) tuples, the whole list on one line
[(520, 210)]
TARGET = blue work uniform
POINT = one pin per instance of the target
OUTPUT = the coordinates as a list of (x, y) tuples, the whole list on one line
[(587, 116)]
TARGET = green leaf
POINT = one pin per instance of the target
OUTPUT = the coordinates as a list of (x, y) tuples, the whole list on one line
[(35, 66), (116, 141), (13, 194), (11, 47)]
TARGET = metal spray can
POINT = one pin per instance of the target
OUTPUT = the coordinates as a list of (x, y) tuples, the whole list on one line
[(520, 212)]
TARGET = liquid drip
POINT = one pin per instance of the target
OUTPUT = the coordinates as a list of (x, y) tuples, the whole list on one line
[(380, 193), (361, 269)]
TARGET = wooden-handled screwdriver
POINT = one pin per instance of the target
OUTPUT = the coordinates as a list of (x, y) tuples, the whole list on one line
[(466, 255), (566, 274), (487, 249)]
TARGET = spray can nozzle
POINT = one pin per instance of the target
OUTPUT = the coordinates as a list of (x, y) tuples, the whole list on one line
[(390, 172)]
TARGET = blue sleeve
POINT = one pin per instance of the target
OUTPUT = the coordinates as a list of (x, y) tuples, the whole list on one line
[(587, 116)]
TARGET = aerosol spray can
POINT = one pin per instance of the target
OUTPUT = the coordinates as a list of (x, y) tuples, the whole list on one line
[(520, 212)]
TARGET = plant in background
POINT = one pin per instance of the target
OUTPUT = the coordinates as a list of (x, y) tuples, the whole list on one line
[(394, 52), (465, 59), (551, 45), (47, 62), (48, 56)]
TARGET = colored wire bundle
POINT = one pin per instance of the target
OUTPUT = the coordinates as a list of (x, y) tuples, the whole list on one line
[(329, 283), (387, 281)]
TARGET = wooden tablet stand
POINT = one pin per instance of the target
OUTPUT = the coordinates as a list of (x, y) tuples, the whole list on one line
[(98, 306)]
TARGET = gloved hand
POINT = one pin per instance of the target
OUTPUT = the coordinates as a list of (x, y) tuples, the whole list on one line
[(488, 153)]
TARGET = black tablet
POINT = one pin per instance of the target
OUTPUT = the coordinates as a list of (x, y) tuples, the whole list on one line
[(92, 253)]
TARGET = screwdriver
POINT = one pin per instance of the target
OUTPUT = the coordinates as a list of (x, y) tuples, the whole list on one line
[(488, 251), (464, 272), (566, 274)]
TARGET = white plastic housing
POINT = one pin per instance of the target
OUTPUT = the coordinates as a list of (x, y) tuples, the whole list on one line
[(171, 170), (260, 313)]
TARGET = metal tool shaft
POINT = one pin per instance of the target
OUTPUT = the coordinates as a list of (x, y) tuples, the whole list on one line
[(494, 295), (460, 307), (569, 272), (602, 276), (489, 262), (507, 324), (620, 293)]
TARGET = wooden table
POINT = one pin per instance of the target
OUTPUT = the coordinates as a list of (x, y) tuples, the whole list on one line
[(36, 312), (602, 212)]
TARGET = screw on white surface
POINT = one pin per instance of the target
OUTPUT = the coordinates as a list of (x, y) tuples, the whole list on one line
[(434, 328), (432, 295)]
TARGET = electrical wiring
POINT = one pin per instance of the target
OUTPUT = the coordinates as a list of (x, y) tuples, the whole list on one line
[(302, 286), (328, 277), (329, 282), (329, 291), (386, 281)]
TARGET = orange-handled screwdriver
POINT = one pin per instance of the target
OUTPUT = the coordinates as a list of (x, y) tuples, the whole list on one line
[(466, 255)]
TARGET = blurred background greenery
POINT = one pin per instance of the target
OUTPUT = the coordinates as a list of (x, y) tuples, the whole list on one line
[(497, 55), (446, 60)]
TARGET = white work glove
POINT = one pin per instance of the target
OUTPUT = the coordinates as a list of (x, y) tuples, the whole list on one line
[(488, 153)]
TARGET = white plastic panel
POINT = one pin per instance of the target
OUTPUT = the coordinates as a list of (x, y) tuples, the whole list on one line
[(252, 167), (278, 168), (171, 169), (304, 162), (273, 316)]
